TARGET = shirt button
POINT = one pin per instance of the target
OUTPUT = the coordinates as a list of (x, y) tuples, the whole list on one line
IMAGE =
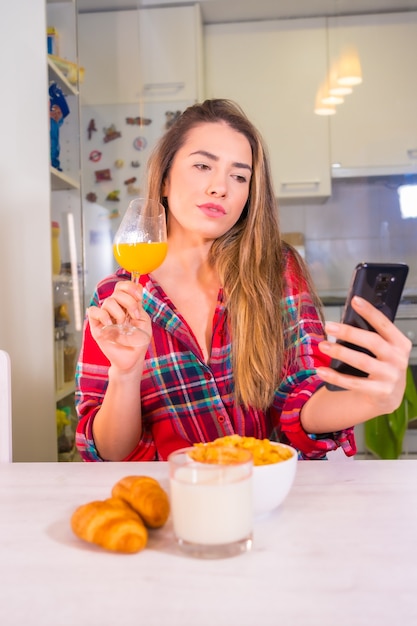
[(220, 419), (207, 375)]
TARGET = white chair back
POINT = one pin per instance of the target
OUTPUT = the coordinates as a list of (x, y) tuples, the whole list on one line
[(5, 408)]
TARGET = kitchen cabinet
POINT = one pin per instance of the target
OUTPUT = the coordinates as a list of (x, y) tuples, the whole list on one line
[(273, 69), (374, 130), (170, 46), (152, 54)]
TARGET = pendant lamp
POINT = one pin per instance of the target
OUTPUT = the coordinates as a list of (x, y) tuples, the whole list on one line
[(349, 70)]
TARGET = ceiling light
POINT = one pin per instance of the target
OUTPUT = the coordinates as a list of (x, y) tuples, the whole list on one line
[(340, 90), (324, 110), (322, 107), (330, 99), (349, 71), (334, 88)]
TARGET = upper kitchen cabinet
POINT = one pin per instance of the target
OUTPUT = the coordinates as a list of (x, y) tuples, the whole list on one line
[(170, 45), (272, 69), (150, 54), (375, 130)]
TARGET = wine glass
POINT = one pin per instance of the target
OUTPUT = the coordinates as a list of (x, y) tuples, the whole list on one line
[(139, 246)]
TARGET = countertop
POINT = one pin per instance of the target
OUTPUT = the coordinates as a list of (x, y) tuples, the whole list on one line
[(341, 550)]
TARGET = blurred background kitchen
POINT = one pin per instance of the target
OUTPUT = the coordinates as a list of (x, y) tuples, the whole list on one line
[(332, 86)]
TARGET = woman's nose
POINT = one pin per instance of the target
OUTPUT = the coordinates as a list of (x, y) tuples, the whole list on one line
[(217, 186)]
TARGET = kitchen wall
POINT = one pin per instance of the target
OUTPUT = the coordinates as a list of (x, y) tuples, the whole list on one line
[(361, 221)]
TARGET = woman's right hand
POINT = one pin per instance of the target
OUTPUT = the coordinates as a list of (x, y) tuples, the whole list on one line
[(125, 301)]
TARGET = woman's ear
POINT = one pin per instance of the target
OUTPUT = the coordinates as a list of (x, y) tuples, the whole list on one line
[(165, 187)]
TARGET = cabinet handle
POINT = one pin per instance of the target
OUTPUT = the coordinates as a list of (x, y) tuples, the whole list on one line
[(300, 184), (412, 154), (162, 88)]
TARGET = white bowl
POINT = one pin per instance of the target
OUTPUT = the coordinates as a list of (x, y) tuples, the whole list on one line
[(272, 483)]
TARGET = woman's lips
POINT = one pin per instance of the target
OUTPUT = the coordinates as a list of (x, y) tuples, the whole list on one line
[(212, 210)]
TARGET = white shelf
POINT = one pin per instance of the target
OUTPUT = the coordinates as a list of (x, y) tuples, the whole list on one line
[(61, 181), (66, 390), (55, 74)]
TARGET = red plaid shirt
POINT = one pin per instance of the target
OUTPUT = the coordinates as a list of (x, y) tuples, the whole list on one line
[(185, 400)]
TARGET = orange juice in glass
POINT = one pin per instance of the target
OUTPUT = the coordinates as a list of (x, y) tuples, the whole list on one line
[(139, 246), (140, 257)]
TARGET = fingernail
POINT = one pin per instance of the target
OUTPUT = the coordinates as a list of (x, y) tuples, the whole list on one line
[(324, 346), (331, 327)]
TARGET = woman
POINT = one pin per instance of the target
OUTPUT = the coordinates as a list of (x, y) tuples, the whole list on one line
[(233, 341)]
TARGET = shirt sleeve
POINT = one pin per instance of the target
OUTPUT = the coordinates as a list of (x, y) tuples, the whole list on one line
[(91, 383), (304, 332)]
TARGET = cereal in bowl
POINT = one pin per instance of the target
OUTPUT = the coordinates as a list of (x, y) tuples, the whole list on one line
[(264, 452)]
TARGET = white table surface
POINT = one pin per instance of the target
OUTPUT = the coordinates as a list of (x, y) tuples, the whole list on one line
[(342, 549)]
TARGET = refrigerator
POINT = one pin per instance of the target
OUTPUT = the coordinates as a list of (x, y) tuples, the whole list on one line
[(116, 142)]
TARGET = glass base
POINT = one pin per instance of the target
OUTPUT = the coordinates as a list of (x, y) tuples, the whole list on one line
[(215, 551), (125, 335)]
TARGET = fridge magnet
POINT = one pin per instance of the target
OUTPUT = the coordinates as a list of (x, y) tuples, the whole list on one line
[(91, 197), (95, 156), (113, 214), (119, 163), (113, 196), (111, 133), (170, 118), (130, 181), (138, 121), (91, 128), (134, 163), (140, 143), (132, 190), (102, 175)]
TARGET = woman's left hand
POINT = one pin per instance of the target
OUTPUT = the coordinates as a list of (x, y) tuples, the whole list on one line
[(383, 389)]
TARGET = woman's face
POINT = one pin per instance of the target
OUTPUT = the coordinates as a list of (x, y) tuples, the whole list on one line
[(208, 183)]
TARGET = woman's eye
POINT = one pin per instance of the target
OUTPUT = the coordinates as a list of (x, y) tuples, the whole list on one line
[(240, 179), (202, 166)]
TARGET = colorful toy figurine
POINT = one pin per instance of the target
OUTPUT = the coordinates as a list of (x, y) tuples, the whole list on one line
[(58, 111)]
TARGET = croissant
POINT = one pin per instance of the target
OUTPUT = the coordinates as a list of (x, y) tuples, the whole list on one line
[(111, 524), (146, 496)]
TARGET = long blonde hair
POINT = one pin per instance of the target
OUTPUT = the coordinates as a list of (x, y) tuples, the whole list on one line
[(249, 258)]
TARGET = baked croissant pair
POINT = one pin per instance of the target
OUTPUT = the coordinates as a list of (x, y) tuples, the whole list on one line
[(121, 523)]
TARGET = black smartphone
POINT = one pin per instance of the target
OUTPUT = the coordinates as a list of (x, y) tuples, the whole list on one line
[(382, 285)]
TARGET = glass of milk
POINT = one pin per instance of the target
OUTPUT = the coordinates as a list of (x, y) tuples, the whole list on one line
[(212, 502)]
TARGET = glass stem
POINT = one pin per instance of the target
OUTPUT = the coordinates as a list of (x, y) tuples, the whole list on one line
[(134, 277)]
